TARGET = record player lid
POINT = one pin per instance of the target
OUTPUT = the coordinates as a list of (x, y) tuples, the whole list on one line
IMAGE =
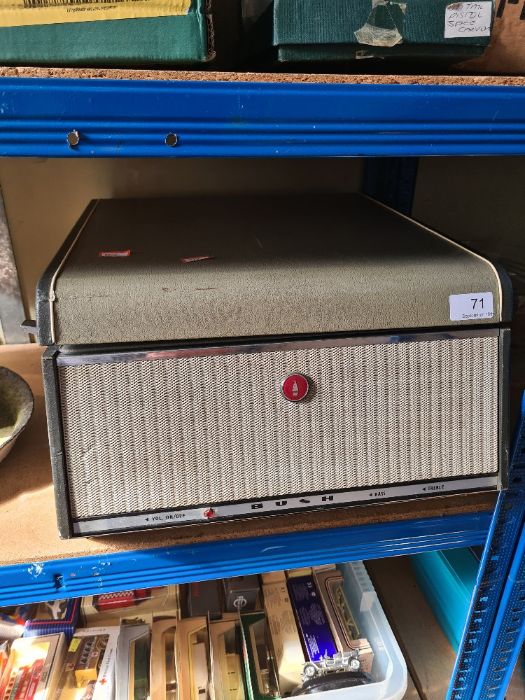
[(141, 270)]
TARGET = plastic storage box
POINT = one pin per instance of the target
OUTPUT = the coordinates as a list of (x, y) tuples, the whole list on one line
[(447, 580), (389, 669)]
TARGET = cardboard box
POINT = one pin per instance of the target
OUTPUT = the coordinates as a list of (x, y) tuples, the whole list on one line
[(273, 577), (192, 658), (506, 50), (142, 605), (33, 668), (4, 656), (284, 637), (203, 599), (163, 674), (53, 617), (295, 573), (241, 593), (133, 663), (261, 681), (127, 33), (226, 662), (89, 666), (329, 583), (312, 622), (338, 30)]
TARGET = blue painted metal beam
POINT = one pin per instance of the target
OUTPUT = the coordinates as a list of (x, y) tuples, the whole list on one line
[(101, 574), (132, 118)]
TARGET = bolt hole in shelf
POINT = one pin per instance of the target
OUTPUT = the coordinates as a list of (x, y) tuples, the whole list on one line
[(171, 139)]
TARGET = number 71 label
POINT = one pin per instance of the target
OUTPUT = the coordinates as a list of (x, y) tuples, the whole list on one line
[(471, 307)]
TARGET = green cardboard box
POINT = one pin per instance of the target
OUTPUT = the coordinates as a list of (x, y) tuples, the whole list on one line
[(339, 30), (127, 33)]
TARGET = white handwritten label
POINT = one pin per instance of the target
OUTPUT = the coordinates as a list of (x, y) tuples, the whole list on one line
[(471, 307), (464, 19)]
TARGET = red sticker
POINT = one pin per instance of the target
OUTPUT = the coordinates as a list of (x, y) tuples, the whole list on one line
[(197, 258), (114, 253)]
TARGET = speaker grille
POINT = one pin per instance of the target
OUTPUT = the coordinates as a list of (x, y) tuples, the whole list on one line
[(152, 434)]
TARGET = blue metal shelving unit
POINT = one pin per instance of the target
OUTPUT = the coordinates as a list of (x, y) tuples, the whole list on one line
[(122, 118), (118, 118), (124, 570), (508, 633), (486, 651)]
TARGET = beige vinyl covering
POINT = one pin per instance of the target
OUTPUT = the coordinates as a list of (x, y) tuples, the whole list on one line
[(226, 267)]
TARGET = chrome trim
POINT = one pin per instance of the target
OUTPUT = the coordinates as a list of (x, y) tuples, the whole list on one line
[(60, 266), (277, 506), (504, 407), (67, 360)]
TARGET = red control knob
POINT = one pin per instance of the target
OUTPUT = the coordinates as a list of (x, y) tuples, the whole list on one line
[(209, 513)]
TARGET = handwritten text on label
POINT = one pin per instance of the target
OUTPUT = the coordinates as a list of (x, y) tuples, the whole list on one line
[(464, 19)]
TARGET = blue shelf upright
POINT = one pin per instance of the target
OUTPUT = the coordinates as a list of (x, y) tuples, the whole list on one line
[(508, 634), (492, 632)]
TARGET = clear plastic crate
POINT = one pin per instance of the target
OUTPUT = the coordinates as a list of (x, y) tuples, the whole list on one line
[(389, 669)]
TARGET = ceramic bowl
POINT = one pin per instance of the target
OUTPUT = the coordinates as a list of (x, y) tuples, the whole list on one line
[(16, 408)]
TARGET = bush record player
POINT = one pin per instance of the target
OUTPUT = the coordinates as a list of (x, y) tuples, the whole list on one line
[(213, 358)]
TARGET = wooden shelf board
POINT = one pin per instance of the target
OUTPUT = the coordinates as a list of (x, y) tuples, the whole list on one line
[(27, 514), (516, 689), (411, 693), (463, 80), (428, 653)]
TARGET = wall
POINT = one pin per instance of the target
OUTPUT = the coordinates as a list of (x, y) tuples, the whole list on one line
[(477, 200), (480, 201)]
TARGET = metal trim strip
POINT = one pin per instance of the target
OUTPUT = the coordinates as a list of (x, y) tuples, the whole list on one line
[(278, 505), (84, 358), (45, 292), (56, 441), (52, 285)]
